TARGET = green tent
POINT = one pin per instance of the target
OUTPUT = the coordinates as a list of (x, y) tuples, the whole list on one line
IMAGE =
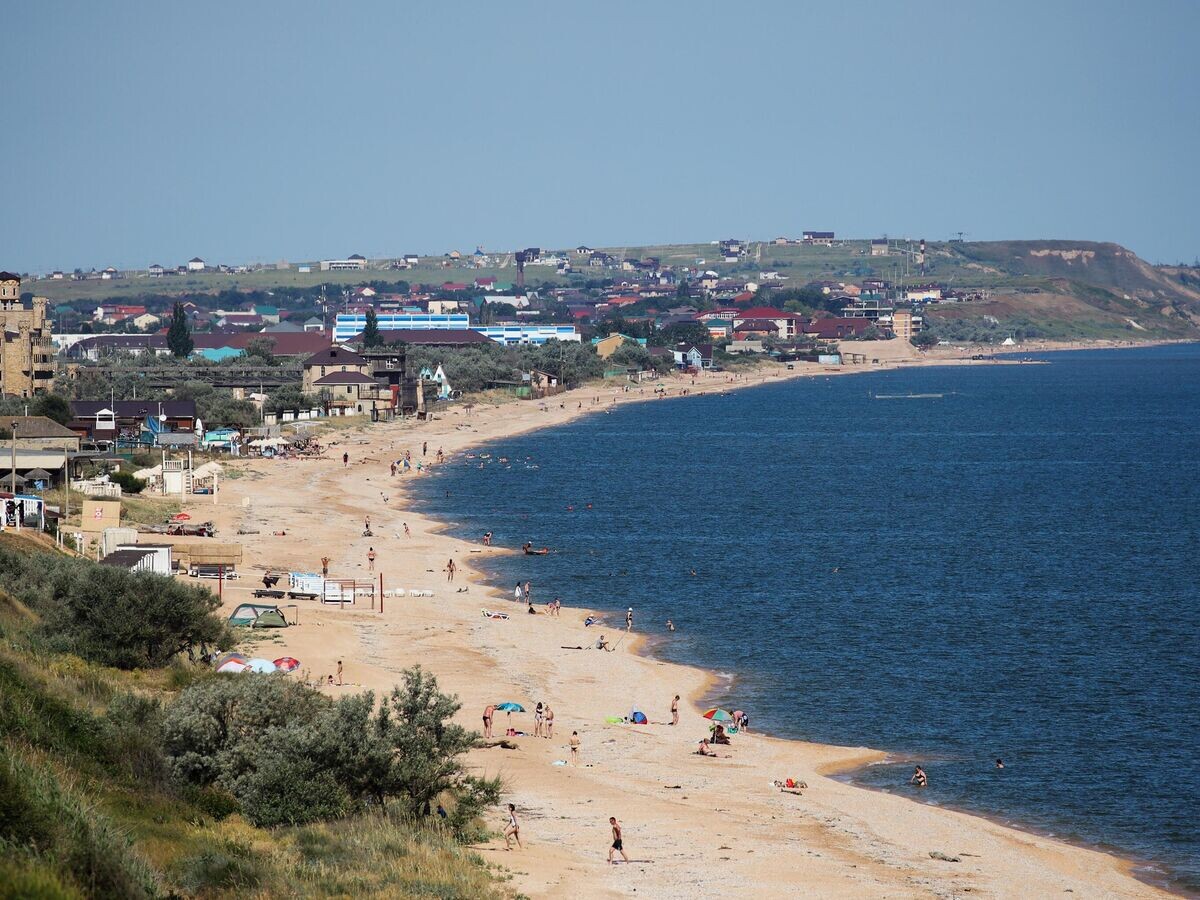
[(258, 616)]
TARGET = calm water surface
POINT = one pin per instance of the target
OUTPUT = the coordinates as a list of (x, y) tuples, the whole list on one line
[(1009, 571)]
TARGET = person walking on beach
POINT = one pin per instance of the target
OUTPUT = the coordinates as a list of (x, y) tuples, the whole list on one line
[(488, 712), (424, 447), (574, 743), (518, 593), (618, 844), (629, 619), (407, 530), (675, 710), (345, 460), (450, 570), (325, 566), (393, 469), (371, 560), (512, 831)]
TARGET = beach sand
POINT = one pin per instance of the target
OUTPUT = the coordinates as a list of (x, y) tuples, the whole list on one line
[(693, 826)]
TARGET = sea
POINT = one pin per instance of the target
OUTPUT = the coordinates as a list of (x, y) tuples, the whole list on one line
[(1005, 571)]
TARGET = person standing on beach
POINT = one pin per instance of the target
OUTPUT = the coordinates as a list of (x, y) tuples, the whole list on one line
[(537, 720), (325, 566), (345, 460), (675, 710), (618, 844), (339, 672), (488, 712), (371, 560), (529, 593), (549, 721), (512, 831), (450, 570), (629, 619), (574, 743), (518, 593), (424, 447)]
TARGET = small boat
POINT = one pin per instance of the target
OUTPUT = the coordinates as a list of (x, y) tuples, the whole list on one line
[(908, 396)]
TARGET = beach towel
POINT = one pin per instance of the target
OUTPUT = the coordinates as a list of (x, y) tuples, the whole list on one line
[(488, 614), (614, 720)]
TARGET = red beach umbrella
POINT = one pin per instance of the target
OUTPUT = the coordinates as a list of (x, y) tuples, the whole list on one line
[(287, 664)]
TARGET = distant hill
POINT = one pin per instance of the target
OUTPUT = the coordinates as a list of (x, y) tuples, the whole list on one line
[(1052, 288)]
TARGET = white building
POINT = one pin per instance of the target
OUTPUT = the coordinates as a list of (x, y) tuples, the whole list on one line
[(354, 261), (195, 264)]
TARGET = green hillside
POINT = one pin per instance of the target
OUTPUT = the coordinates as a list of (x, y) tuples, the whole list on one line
[(94, 798)]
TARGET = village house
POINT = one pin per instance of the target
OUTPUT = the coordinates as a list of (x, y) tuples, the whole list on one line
[(832, 329), (130, 422), (787, 324), (146, 320), (693, 356), (755, 330), (331, 360), (879, 247), (822, 238), (37, 433), (608, 345), (26, 351), (195, 264)]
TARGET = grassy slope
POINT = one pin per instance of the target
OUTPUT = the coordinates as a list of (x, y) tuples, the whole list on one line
[(85, 818), (1110, 283)]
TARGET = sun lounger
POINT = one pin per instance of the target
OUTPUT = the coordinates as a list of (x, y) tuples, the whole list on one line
[(265, 592), (301, 595), (488, 614)]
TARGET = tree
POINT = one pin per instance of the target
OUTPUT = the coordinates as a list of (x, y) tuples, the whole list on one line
[(179, 335), (261, 349), (371, 336), (924, 339)]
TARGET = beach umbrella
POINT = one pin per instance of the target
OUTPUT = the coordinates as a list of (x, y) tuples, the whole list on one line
[(287, 664), (510, 707), (719, 715), (180, 517), (261, 666), (232, 665)]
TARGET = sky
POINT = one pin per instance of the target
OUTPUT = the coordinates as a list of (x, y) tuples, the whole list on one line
[(143, 132)]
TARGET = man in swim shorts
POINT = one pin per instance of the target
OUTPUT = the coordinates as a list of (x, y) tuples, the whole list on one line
[(618, 845)]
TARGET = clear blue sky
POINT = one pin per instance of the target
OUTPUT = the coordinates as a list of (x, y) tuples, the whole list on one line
[(140, 132)]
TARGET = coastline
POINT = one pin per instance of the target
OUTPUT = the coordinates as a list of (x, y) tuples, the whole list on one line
[(837, 840)]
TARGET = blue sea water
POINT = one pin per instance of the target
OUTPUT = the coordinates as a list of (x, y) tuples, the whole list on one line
[(1008, 572)]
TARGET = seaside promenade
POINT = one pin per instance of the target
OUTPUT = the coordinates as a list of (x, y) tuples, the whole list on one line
[(693, 826)]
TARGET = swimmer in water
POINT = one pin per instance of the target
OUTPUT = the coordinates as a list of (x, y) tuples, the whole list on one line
[(919, 778)]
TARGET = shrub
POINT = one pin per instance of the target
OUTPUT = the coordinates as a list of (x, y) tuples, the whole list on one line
[(135, 740), (128, 482), (111, 616)]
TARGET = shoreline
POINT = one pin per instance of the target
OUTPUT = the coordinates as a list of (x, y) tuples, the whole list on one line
[(858, 759), (531, 670)]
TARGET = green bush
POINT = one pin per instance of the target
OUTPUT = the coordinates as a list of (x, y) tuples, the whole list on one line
[(290, 755), (128, 482), (111, 616)]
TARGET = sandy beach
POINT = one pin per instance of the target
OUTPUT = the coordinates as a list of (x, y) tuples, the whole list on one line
[(693, 826)]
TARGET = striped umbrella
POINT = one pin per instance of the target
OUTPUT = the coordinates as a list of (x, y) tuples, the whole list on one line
[(719, 715)]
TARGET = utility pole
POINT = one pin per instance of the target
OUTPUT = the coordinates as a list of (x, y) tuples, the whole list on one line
[(13, 475)]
